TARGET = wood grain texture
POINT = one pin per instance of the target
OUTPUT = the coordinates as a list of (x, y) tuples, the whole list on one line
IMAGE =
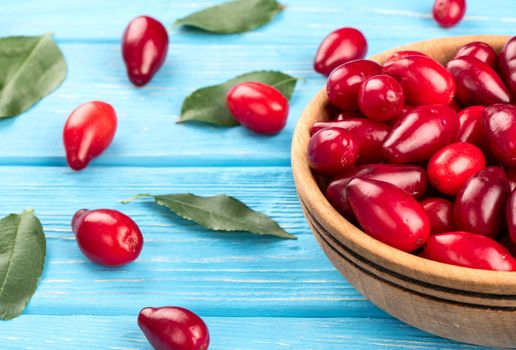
[(89, 34), (279, 294), (219, 273), (227, 333), (475, 306)]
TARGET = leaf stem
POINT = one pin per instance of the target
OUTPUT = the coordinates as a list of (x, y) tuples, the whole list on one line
[(138, 196)]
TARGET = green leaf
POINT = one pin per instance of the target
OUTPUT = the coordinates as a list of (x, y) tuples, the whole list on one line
[(233, 16), (31, 67), (208, 104), (219, 213), (22, 256)]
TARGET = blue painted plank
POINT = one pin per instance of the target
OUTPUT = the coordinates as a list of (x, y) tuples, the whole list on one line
[(399, 19), (220, 274), (216, 274), (227, 333), (148, 134)]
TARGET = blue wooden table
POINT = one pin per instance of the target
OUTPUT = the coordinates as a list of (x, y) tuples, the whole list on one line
[(254, 293)]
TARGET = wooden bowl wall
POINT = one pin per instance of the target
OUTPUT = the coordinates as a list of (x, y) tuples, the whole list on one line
[(468, 305)]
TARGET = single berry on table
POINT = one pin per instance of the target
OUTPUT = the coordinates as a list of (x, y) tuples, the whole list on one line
[(144, 48), (107, 237), (87, 133), (173, 328), (259, 107)]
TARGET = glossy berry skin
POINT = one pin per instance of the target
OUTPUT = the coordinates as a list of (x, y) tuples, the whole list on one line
[(507, 65), (499, 126), (388, 213), (259, 107), (348, 115), (417, 135), (440, 213), (511, 175), (345, 80), (341, 46), (381, 98), (89, 130), (368, 134), (471, 130), (468, 250), (510, 215), (479, 50), (173, 328), (448, 13), (144, 48), (451, 166), (477, 83), (332, 150), (107, 237), (336, 189), (479, 205), (402, 54), (410, 178), (424, 80)]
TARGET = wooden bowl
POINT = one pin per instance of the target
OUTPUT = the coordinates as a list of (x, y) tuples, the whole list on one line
[(468, 305)]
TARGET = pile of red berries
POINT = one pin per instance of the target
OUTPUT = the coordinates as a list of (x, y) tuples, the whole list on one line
[(422, 155)]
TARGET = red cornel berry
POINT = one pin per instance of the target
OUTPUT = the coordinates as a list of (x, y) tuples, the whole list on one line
[(89, 130), (479, 205), (449, 13), (417, 135), (107, 237), (368, 133), (499, 126), (410, 178), (451, 167), (471, 130), (173, 328), (424, 80), (479, 50), (440, 213), (259, 107), (468, 250), (345, 80), (381, 98), (332, 150), (340, 46), (477, 83), (507, 65), (388, 213), (398, 55), (144, 48)]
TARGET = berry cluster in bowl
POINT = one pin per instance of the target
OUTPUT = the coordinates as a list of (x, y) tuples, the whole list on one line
[(422, 156)]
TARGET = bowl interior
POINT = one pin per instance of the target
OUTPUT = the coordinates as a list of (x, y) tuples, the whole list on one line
[(352, 237)]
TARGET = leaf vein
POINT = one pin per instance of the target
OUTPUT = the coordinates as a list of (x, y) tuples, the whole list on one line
[(10, 258), (220, 216), (21, 66)]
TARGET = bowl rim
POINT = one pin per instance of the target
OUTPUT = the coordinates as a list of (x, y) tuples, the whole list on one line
[(314, 201)]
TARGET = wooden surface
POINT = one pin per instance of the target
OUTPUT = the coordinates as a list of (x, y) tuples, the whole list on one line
[(255, 293)]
